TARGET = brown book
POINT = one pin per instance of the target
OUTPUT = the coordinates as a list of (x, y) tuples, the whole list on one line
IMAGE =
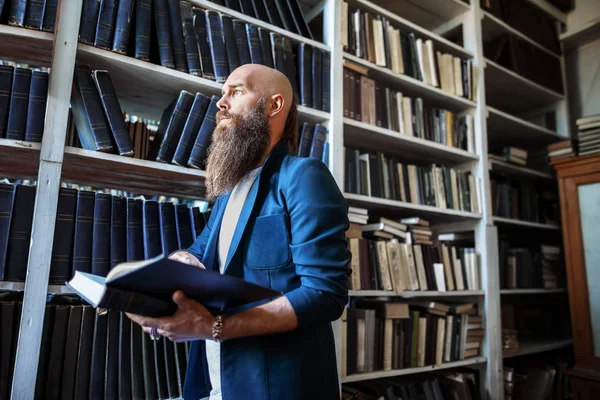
[(355, 283), (384, 268), (346, 94), (364, 93), (421, 341), (441, 338), (365, 271), (370, 40), (356, 67), (354, 231)]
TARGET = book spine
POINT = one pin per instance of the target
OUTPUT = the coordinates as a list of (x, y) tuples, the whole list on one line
[(184, 226), (174, 129), (62, 249), (118, 232), (106, 22), (189, 39), (265, 45), (233, 59), (89, 18), (143, 20), (326, 82), (19, 98), (125, 391), (67, 385), (290, 64), (301, 25), (160, 371), (35, 14), (305, 74), (98, 363), (101, 234), (137, 369), (198, 221), (177, 35), (273, 13), (260, 10), (198, 153), (122, 26), (241, 41), (36, 110), (113, 111), (20, 232), (84, 353), (163, 32), (247, 8), (214, 30), (206, 62), (151, 221), (84, 230), (7, 198), (50, 15), (16, 17), (168, 228), (6, 79), (191, 128), (135, 239), (256, 55), (277, 49), (318, 141), (317, 87), (305, 140)]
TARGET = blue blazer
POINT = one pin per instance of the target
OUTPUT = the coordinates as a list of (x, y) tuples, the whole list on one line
[(290, 237)]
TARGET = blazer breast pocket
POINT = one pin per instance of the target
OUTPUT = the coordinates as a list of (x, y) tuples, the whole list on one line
[(268, 243)]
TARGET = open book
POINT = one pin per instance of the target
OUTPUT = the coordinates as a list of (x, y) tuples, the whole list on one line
[(146, 287)]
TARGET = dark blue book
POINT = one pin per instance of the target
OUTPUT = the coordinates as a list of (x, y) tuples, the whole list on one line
[(298, 18), (198, 221), (317, 65), (160, 371), (17, 253), (6, 79), (241, 41), (326, 82), (18, 8), (233, 5), (84, 232), (183, 220), (57, 352), (256, 55), (88, 114), (168, 228), (125, 384), (101, 234), (247, 8), (36, 111), (111, 380), (189, 39), (290, 63), (89, 18), (206, 62), (172, 133), (198, 154), (151, 221), (260, 11), (7, 198), (19, 100), (214, 30), (286, 16), (118, 231), (143, 21), (106, 24), (62, 248), (98, 364), (305, 141), (265, 45), (135, 236), (278, 53), (50, 15), (273, 13), (305, 74), (122, 26), (191, 128), (177, 35), (318, 141), (34, 17), (163, 33), (149, 367), (84, 353), (160, 132), (113, 112), (233, 59)]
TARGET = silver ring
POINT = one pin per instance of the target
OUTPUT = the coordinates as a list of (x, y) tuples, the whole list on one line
[(154, 334)]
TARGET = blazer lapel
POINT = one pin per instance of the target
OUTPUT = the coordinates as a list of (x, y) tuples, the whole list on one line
[(210, 254)]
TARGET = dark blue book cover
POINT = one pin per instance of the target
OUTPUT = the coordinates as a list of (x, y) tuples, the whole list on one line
[(286, 16), (273, 12), (305, 74), (241, 41), (101, 234), (62, 248), (305, 142), (19, 237), (214, 31), (84, 231), (50, 15), (118, 231), (7, 198), (318, 141), (19, 100), (175, 126), (278, 54), (135, 236), (189, 39), (122, 26), (36, 111), (168, 228), (256, 55), (89, 18), (184, 226), (34, 17), (6, 79), (233, 5), (326, 82), (198, 221), (151, 221), (233, 59), (290, 63), (106, 24), (159, 135), (111, 380), (265, 45), (124, 355), (247, 8), (317, 88), (260, 11), (191, 128), (163, 33), (177, 35), (98, 364), (143, 21), (198, 154), (206, 62), (18, 9), (298, 18)]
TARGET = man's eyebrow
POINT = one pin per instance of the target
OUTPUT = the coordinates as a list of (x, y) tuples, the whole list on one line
[(232, 86)]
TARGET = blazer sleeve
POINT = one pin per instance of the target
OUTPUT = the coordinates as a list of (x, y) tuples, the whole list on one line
[(318, 224), (199, 246)]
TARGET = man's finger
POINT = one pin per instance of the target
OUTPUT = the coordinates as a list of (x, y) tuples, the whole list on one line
[(180, 299)]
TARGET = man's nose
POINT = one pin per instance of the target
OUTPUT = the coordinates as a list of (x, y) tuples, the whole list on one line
[(222, 104)]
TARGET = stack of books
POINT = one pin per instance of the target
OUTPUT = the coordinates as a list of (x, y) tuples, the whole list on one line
[(589, 135), (551, 265), (358, 216), (515, 155), (385, 228), (563, 150), (420, 231)]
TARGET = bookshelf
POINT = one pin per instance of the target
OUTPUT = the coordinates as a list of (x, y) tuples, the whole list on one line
[(527, 347), (581, 36), (145, 89)]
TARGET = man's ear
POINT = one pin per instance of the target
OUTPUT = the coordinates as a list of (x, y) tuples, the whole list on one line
[(275, 106)]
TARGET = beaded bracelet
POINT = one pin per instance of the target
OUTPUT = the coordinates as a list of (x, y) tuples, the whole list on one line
[(217, 329)]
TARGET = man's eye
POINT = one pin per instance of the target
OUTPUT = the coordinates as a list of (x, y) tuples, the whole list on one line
[(238, 91)]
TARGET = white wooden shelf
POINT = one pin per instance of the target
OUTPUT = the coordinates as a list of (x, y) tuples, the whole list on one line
[(26, 45), (527, 224), (492, 27), (504, 128), (581, 36), (6, 286), (428, 14), (19, 159), (516, 170), (550, 10), (412, 87), (373, 138), (411, 371), (401, 207), (533, 291), (508, 90), (414, 294), (527, 347)]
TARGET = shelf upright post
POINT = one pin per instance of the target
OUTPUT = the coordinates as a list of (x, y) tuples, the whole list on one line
[(46, 201)]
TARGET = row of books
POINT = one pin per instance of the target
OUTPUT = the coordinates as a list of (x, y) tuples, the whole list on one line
[(23, 97), (524, 201), (384, 336), (458, 385), (588, 135), (368, 101), (312, 142), (375, 39), (377, 175), (39, 15), (522, 267), (536, 379), (94, 231)]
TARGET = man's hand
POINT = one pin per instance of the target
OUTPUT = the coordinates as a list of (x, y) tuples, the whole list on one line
[(191, 321), (187, 258)]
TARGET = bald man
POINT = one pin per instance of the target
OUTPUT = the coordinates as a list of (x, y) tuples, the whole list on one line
[(278, 221)]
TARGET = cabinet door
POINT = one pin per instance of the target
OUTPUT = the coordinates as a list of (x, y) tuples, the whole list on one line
[(582, 250)]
